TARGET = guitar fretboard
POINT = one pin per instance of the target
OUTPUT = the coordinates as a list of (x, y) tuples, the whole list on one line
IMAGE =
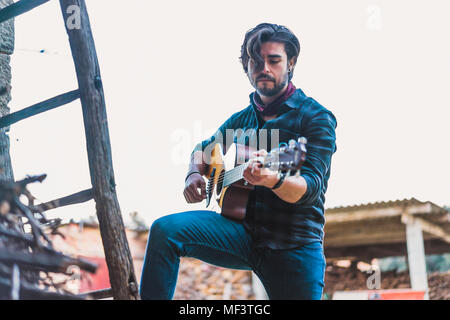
[(234, 175)]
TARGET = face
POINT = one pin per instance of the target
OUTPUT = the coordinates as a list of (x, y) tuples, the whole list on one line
[(273, 78)]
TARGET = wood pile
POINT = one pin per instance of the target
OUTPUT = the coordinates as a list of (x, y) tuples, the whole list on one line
[(346, 279), (30, 267), (198, 280)]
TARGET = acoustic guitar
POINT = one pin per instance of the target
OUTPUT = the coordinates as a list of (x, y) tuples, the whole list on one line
[(230, 188)]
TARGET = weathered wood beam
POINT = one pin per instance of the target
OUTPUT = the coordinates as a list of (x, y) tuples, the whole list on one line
[(31, 292), (99, 294), (112, 230), (75, 198), (55, 262), (18, 8), (40, 107), (428, 227)]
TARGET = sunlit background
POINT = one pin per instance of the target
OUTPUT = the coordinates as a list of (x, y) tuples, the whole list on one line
[(171, 76)]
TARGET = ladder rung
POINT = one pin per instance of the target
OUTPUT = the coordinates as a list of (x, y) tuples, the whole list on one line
[(18, 8), (75, 198), (98, 294), (40, 107)]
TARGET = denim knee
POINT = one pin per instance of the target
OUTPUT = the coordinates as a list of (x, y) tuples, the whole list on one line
[(163, 233), (160, 229)]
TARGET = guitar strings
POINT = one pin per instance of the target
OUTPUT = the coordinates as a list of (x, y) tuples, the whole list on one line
[(234, 174), (228, 177), (231, 176)]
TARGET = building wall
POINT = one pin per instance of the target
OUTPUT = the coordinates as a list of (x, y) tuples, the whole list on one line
[(196, 279), (85, 241), (6, 50)]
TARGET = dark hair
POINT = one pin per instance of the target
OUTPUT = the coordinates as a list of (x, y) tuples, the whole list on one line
[(265, 32)]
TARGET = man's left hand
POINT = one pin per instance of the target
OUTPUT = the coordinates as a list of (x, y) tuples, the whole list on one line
[(256, 175)]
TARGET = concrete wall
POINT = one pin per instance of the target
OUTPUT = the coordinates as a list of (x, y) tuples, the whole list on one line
[(6, 50)]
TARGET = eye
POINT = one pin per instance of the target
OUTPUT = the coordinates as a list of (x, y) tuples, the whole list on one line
[(274, 61)]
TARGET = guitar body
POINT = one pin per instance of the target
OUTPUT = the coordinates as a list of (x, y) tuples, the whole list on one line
[(230, 189), (233, 198)]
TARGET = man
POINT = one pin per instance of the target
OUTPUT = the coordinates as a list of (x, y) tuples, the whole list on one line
[(281, 237)]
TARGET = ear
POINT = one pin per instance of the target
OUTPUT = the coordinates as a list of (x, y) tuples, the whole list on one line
[(292, 63)]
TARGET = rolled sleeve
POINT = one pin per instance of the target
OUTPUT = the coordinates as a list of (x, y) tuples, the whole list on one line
[(321, 136)]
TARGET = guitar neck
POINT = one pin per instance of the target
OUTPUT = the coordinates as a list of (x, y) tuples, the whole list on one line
[(234, 175)]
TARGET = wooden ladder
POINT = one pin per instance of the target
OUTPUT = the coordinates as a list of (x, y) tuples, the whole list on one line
[(90, 92)]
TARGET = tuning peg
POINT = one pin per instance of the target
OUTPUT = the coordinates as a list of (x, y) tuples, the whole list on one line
[(292, 144), (302, 140)]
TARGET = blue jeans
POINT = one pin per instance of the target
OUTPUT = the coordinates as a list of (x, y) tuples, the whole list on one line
[(286, 274)]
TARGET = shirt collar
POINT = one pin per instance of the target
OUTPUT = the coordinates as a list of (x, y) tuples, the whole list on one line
[(294, 101)]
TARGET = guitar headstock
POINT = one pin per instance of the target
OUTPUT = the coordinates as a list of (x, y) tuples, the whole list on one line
[(287, 158)]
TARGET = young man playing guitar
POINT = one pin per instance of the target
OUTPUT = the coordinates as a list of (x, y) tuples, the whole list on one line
[(280, 237)]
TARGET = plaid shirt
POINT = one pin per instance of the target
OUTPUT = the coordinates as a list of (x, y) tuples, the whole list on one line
[(273, 222)]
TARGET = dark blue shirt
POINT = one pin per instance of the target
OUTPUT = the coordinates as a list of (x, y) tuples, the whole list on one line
[(273, 222)]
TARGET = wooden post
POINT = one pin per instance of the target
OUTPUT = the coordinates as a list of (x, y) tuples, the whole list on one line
[(416, 254), (117, 251), (6, 50)]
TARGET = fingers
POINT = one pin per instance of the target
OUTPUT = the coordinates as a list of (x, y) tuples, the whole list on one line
[(248, 176), (192, 194), (202, 189), (195, 194), (254, 167), (251, 173), (188, 196), (259, 153)]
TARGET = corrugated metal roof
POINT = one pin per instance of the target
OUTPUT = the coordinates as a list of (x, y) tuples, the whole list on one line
[(384, 204)]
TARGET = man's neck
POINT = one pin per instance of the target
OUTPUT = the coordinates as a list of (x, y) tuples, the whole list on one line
[(267, 100)]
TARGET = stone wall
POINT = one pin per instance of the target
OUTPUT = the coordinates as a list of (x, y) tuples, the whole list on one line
[(6, 50)]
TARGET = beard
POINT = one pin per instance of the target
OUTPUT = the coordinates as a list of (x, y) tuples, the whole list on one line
[(273, 91)]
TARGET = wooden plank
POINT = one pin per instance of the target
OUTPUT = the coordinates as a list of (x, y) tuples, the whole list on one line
[(53, 262), (31, 292), (428, 227), (115, 244), (99, 294), (367, 214), (40, 107), (19, 8), (75, 198)]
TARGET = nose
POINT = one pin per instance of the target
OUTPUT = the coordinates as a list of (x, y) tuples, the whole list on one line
[(266, 67)]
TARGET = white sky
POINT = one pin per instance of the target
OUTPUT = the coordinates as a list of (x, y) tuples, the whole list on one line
[(382, 67)]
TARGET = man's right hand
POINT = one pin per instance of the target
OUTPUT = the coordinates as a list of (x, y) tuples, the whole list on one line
[(191, 189)]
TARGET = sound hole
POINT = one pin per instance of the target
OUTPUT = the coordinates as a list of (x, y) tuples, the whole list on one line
[(220, 182)]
